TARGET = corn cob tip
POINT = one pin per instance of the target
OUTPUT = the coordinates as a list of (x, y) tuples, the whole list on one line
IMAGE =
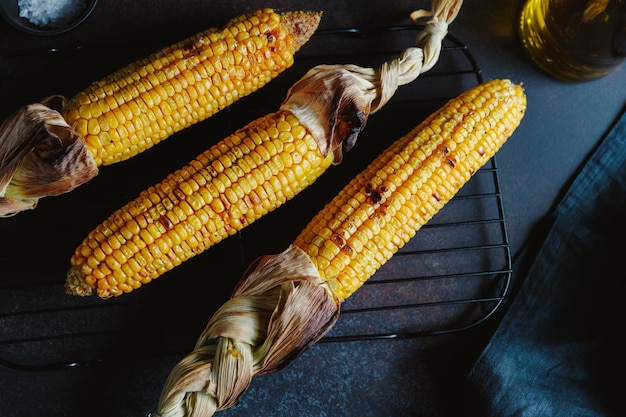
[(75, 283), (300, 25)]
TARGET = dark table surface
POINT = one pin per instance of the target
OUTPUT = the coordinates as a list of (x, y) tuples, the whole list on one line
[(124, 348)]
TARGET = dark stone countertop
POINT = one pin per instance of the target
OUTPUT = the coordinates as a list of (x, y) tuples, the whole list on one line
[(148, 331)]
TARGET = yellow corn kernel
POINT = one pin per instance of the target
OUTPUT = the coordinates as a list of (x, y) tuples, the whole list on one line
[(170, 85), (368, 221)]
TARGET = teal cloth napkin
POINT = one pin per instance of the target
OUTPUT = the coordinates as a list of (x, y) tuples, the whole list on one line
[(559, 349)]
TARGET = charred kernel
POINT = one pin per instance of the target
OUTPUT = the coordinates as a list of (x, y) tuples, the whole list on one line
[(166, 222), (340, 241), (375, 197)]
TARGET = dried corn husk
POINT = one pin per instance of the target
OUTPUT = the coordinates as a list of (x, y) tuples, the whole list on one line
[(52, 160), (334, 101), (279, 309)]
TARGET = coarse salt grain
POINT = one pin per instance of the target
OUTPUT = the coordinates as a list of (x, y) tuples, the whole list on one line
[(50, 13)]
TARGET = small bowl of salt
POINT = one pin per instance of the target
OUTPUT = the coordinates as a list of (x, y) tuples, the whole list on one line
[(46, 17)]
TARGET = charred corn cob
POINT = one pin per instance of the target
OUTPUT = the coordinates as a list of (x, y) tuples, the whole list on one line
[(383, 207), (286, 302), (145, 102), (224, 189)]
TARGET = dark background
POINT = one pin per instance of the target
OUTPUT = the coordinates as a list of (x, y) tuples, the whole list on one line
[(125, 347)]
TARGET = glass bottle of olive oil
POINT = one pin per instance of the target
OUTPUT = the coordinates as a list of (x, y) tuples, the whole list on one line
[(574, 40)]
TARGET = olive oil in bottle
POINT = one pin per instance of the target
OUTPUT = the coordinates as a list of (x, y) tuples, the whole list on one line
[(574, 40)]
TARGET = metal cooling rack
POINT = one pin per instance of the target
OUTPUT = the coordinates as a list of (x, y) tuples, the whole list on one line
[(451, 277)]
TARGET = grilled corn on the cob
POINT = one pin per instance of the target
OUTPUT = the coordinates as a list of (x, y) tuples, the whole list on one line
[(224, 189), (147, 101), (384, 206), (287, 301)]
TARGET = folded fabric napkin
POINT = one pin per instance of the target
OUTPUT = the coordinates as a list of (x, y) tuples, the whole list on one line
[(560, 350)]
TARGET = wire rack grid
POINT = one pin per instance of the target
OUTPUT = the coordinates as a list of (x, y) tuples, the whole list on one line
[(451, 277)]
